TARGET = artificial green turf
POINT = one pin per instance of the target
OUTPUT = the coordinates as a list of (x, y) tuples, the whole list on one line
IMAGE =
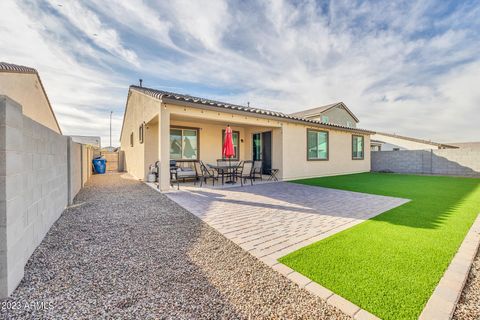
[(390, 265)]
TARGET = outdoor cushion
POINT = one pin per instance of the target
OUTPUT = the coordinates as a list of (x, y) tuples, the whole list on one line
[(186, 174)]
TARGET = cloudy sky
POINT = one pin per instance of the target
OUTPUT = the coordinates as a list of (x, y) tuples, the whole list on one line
[(403, 67)]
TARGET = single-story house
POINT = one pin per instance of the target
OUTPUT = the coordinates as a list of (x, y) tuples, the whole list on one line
[(163, 126), (381, 141), (23, 85)]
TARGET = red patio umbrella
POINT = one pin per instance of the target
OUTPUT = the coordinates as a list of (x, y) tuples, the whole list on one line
[(228, 151)]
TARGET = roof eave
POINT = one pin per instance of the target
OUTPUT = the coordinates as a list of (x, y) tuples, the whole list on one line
[(263, 115)]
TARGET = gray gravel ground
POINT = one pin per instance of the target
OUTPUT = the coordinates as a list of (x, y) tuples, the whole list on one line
[(126, 251), (468, 306)]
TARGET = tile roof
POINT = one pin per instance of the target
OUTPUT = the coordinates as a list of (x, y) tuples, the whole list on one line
[(473, 144), (160, 94), (10, 67), (315, 111), (393, 135)]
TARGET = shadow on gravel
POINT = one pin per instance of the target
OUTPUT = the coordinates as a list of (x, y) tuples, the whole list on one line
[(120, 251), (129, 252)]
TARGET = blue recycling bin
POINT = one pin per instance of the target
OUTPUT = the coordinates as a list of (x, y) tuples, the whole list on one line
[(99, 165)]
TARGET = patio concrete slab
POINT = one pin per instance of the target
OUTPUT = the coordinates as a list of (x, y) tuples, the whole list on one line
[(274, 219)]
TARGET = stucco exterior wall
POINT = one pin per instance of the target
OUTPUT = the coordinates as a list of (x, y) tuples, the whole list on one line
[(336, 115), (401, 144), (140, 108), (210, 138), (296, 165), (288, 140), (340, 116), (27, 91)]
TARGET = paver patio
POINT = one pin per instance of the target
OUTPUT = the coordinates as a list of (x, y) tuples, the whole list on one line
[(272, 220)]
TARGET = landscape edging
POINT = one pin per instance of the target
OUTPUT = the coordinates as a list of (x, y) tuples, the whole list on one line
[(444, 299)]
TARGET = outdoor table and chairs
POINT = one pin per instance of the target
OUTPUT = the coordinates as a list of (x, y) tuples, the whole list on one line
[(229, 169), (226, 170)]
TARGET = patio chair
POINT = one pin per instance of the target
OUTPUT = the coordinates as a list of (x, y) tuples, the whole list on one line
[(246, 172), (257, 169), (199, 172), (208, 173), (182, 171), (237, 170)]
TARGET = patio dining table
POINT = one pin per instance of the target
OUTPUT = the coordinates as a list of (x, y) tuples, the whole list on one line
[(224, 169)]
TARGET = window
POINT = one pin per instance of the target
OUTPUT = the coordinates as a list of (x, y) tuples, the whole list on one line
[(349, 124), (357, 147), (325, 119), (236, 139), (396, 149), (140, 133), (184, 144), (131, 139), (317, 145)]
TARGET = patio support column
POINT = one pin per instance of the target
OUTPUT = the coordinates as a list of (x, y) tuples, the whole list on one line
[(164, 149)]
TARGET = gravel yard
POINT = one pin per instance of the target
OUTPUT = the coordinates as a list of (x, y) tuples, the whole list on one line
[(468, 306), (124, 250)]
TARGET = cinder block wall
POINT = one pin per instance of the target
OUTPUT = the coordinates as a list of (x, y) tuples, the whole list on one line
[(75, 169), (40, 172), (87, 157), (457, 162)]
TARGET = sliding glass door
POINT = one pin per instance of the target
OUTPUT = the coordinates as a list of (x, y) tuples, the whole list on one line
[(262, 149)]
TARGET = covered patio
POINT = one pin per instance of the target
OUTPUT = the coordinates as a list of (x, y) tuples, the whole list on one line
[(186, 136)]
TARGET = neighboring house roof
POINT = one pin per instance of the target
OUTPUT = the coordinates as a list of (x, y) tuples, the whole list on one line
[(463, 145), (319, 110), (165, 95), (417, 140), (91, 140), (14, 68), (9, 67)]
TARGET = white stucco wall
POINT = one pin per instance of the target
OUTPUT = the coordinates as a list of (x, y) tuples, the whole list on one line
[(296, 165)]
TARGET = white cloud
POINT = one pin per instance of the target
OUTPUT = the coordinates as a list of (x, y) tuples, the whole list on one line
[(90, 25), (398, 66), (77, 91)]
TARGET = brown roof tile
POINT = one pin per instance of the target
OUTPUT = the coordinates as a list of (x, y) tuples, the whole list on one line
[(160, 94), (10, 67)]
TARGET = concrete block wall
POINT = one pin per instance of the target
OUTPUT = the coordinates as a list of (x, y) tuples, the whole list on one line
[(33, 188), (75, 169), (87, 157), (41, 172), (457, 162), (464, 162)]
